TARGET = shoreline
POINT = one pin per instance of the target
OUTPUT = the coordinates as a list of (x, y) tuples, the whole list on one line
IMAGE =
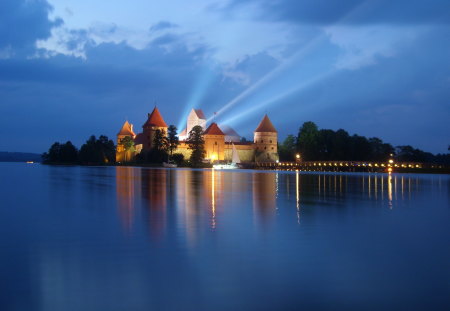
[(252, 166)]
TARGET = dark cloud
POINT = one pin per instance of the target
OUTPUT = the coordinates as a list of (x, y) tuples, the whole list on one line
[(165, 39), (23, 22), (402, 99), (255, 66), (326, 12), (66, 97), (162, 25)]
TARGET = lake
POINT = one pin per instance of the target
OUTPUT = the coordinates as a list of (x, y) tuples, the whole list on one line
[(125, 238)]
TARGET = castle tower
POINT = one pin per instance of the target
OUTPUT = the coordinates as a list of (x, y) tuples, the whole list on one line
[(154, 122), (195, 117), (214, 143), (126, 130), (265, 139)]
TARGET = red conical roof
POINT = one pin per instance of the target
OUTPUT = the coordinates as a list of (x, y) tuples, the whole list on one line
[(155, 119), (213, 129), (127, 129), (265, 125)]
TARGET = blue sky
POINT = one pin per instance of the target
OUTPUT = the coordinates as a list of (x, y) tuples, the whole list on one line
[(72, 68)]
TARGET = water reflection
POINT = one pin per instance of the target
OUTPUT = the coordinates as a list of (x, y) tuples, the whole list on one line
[(139, 239), (264, 196), (199, 199)]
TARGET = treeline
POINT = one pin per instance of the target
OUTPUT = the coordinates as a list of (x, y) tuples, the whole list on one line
[(314, 144), (94, 151)]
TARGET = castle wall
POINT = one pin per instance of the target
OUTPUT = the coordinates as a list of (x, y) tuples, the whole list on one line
[(215, 147), (246, 152), (183, 148)]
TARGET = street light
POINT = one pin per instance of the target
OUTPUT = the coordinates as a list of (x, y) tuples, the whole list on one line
[(297, 157)]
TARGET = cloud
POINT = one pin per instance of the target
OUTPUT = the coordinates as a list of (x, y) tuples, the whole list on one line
[(77, 97), (162, 25), (166, 39), (251, 67), (364, 45), (24, 22), (328, 12)]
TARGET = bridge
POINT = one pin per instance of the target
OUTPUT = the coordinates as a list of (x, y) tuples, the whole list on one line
[(351, 166)]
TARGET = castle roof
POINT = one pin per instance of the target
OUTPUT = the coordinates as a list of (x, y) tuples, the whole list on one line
[(127, 129), (265, 125), (199, 113), (155, 119), (213, 129), (228, 130)]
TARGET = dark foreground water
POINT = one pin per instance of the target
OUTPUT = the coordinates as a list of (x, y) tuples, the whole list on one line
[(107, 238)]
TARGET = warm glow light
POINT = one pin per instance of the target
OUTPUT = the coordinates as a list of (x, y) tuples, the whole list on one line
[(391, 161)]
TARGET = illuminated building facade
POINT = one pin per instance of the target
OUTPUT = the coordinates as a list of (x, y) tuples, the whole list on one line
[(218, 143)]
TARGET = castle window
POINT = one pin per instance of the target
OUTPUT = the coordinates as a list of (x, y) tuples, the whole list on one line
[(215, 143), (271, 142), (265, 147), (262, 140), (272, 148)]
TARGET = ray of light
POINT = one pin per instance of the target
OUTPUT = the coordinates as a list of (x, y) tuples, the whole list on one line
[(240, 117), (362, 8)]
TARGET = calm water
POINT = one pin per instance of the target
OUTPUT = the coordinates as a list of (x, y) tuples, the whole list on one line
[(106, 238)]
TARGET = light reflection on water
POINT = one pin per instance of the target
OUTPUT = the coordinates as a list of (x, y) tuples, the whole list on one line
[(195, 192), (123, 238)]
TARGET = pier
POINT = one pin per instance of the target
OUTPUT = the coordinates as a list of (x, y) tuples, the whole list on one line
[(352, 166)]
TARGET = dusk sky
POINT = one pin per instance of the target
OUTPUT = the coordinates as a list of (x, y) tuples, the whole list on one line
[(72, 68)]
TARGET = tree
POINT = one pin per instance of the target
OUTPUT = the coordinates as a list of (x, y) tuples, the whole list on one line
[(287, 149), (128, 145), (341, 146), (97, 151), (325, 144), (160, 141), (196, 143), (68, 153), (307, 141), (172, 138), (61, 153)]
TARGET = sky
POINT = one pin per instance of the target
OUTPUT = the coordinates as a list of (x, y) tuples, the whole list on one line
[(73, 68)]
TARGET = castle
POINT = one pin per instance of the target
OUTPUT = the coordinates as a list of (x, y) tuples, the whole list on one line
[(219, 140)]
